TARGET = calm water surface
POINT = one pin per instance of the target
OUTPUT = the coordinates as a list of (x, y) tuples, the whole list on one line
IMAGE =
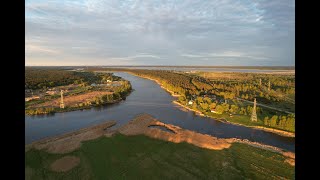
[(147, 97)]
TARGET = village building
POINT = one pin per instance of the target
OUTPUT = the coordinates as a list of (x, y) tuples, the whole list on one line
[(190, 102), (215, 111)]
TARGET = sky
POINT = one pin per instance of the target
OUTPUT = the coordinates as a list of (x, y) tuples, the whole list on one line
[(160, 32)]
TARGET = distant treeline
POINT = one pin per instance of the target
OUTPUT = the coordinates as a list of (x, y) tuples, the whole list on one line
[(122, 66), (38, 78), (224, 67)]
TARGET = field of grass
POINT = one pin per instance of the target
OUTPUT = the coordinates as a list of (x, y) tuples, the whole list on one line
[(140, 157), (241, 119)]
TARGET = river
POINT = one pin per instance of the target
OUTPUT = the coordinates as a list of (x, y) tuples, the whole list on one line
[(147, 97)]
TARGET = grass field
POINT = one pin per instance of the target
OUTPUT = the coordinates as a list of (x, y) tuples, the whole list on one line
[(140, 157)]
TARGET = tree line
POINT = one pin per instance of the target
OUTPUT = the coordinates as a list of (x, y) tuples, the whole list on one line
[(36, 78)]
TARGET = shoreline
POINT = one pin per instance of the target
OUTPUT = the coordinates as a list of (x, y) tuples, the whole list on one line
[(74, 109), (275, 131), (140, 125), (70, 109)]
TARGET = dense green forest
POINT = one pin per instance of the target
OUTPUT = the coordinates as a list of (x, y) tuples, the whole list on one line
[(247, 86), (36, 78)]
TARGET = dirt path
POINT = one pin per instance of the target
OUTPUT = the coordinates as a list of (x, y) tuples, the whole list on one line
[(65, 164)]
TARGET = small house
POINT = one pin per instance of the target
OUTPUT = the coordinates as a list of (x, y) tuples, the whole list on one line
[(108, 80), (215, 111), (213, 97), (190, 102), (93, 84)]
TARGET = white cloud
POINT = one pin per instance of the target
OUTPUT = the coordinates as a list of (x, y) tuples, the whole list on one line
[(225, 54), (40, 49), (235, 54), (144, 56), (193, 55)]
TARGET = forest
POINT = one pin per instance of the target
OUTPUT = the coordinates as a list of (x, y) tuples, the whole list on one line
[(39, 78)]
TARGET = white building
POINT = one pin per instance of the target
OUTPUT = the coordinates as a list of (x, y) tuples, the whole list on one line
[(190, 102)]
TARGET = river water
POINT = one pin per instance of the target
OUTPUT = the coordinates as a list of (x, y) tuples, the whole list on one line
[(147, 97)]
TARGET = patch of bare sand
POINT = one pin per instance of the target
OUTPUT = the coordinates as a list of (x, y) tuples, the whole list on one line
[(290, 161), (65, 164), (290, 158), (140, 124), (71, 141), (289, 155)]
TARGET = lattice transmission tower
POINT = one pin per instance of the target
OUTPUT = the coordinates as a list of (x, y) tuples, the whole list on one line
[(254, 111), (61, 102)]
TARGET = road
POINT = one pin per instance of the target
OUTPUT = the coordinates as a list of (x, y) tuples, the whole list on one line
[(270, 107)]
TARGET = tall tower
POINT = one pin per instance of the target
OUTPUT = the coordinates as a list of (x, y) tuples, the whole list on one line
[(61, 102), (254, 111), (269, 86)]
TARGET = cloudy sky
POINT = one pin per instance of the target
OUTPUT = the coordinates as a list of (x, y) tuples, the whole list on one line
[(160, 32)]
